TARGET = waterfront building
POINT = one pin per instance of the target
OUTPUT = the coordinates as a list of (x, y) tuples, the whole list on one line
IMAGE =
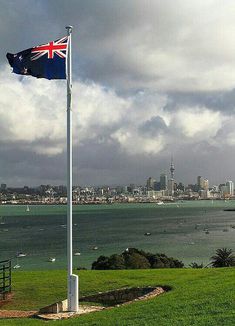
[(155, 194), (150, 183), (205, 184), (163, 181), (3, 187), (224, 191), (230, 187), (130, 188), (157, 186), (202, 183), (215, 188), (204, 194)]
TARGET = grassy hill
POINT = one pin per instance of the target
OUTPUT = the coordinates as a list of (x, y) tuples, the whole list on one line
[(198, 297)]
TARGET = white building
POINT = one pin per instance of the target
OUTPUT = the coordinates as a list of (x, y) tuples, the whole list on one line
[(230, 187)]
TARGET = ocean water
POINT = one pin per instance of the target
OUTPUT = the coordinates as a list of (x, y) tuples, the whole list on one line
[(177, 229)]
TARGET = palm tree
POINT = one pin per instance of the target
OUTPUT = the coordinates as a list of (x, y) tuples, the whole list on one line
[(223, 258)]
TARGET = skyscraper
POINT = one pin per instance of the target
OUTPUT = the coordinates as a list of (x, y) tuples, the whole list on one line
[(202, 183), (150, 183), (230, 187), (163, 181)]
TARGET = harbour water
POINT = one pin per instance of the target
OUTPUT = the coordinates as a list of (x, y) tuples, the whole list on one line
[(189, 230)]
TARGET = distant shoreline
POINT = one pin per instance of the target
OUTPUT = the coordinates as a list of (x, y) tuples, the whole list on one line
[(116, 202)]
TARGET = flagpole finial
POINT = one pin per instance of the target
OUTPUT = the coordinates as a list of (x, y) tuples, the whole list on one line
[(69, 28)]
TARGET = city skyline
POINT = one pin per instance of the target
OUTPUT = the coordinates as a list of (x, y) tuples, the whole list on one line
[(162, 180), (147, 84)]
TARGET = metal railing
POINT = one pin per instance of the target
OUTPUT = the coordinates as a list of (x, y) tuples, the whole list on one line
[(5, 279)]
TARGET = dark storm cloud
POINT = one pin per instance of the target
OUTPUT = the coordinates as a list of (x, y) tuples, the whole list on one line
[(21, 166), (222, 101), (154, 126)]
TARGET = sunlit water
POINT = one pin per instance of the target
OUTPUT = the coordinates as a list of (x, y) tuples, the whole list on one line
[(177, 229)]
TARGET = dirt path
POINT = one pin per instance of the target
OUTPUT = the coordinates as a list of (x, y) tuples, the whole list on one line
[(16, 314)]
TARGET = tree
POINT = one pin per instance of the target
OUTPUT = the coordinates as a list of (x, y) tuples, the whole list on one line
[(116, 262), (133, 258), (223, 258), (136, 261), (101, 263), (196, 265)]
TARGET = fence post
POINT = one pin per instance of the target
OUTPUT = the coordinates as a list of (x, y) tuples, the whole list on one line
[(5, 278)]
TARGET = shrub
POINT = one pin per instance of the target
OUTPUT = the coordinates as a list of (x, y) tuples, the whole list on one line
[(133, 258)]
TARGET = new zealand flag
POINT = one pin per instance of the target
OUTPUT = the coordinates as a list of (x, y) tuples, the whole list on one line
[(43, 61)]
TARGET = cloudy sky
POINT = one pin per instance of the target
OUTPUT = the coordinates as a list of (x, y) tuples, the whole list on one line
[(151, 79)]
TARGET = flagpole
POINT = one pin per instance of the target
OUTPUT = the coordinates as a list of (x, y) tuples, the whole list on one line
[(72, 279)]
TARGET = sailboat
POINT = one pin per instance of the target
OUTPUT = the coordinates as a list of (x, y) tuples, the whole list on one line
[(27, 209), (21, 254)]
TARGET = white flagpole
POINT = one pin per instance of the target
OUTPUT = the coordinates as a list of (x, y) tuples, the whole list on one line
[(72, 279)]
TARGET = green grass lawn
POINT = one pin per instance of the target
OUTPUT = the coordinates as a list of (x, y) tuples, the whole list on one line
[(198, 297)]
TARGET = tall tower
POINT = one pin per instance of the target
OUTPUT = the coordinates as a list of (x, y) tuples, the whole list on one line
[(171, 181), (172, 168)]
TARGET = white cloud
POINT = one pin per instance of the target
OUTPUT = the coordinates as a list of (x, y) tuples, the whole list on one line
[(198, 123), (134, 143), (33, 111), (33, 114)]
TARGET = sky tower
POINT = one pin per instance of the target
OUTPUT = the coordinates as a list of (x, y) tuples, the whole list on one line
[(172, 168), (171, 181)]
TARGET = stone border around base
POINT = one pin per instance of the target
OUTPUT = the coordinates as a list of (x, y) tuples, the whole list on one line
[(59, 311)]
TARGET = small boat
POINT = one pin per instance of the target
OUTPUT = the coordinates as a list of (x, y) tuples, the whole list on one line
[(77, 254), (51, 259), (147, 233), (20, 255), (16, 266), (160, 203), (95, 248), (207, 232), (27, 208)]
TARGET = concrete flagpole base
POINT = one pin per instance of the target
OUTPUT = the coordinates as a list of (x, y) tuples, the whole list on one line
[(73, 293)]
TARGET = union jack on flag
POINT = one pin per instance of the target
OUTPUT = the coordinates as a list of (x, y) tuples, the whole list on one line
[(58, 47), (42, 61)]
